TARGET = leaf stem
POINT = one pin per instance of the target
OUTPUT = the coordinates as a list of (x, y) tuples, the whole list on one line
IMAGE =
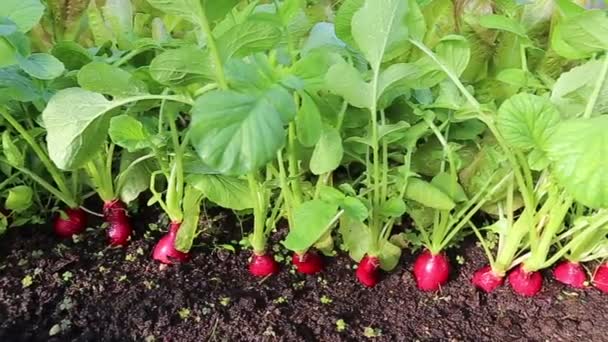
[(598, 88), (215, 54)]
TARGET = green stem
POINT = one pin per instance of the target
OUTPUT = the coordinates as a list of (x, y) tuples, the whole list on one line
[(294, 172), (67, 196), (285, 190), (599, 84), (258, 240)]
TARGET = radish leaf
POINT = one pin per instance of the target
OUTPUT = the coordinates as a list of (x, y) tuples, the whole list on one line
[(312, 219)]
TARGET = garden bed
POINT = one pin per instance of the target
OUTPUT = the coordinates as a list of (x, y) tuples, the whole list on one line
[(84, 291)]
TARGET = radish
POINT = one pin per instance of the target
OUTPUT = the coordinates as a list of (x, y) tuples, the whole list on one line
[(75, 223), (525, 283), (600, 279), (165, 250), (487, 280), (307, 263), (120, 230), (431, 271), (263, 265), (367, 271), (570, 273)]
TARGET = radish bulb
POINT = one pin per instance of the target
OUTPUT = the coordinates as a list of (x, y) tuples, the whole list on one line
[(115, 213), (486, 280), (307, 263), (431, 271), (525, 283), (75, 223), (570, 273), (367, 271), (600, 279), (263, 265), (165, 250)]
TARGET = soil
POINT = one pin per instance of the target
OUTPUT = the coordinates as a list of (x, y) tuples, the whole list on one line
[(83, 291)]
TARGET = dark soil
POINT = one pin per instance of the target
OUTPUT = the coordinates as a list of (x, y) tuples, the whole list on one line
[(82, 291)]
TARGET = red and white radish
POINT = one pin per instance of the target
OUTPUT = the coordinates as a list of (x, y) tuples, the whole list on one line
[(165, 250), (367, 271), (75, 222), (525, 283), (600, 279), (308, 263), (115, 213), (263, 265), (570, 273), (485, 279), (431, 271)]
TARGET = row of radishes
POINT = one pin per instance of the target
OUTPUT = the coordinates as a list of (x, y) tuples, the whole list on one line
[(431, 272)]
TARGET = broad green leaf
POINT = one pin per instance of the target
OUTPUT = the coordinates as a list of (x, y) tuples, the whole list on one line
[(518, 78), (216, 10), (310, 70), (428, 195), (444, 182), (76, 126), (396, 74), (249, 37), (578, 150), (573, 89), (41, 65), (379, 30), (72, 55), (19, 198), (322, 35), (356, 237), (309, 126), (586, 32), (191, 208), (344, 80), (503, 23), (104, 78), (330, 194), (328, 152), (100, 31), (389, 256), (24, 13), (454, 51), (236, 133), (7, 27), (393, 207), (227, 192), (526, 121), (354, 208), (191, 10), (118, 15), (128, 133), (182, 65), (8, 56), (16, 87), (312, 220), (136, 176), (344, 18)]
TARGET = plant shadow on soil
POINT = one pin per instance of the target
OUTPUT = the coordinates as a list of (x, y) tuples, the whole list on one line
[(84, 291)]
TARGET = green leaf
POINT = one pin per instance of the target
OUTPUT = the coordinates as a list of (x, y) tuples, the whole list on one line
[(396, 74), (389, 256), (379, 30), (355, 208), (191, 10), (330, 194), (227, 192), (393, 207), (344, 18), (7, 27), (191, 208), (356, 237), (309, 126), (11, 152), (182, 65), (16, 87), (444, 182), (573, 88), (578, 150), (322, 35), (103, 78), (428, 195), (216, 10), (500, 22), (71, 54), (257, 34), (586, 32), (312, 220), (41, 65), (77, 125), (19, 198), (24, 13), (454, 51), (344, 80), (128, 133), (137, 178), (236, 133), (328, 152), (100, 31), (526, 121)]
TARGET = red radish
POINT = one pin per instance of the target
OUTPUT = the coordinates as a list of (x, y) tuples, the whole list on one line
[(570, 273), (486, 280), (165, 250), (431, 271), (367, 271), (120, 229), (263, 265), (600, 279), (75, 223), (525, 283), (307, 263)]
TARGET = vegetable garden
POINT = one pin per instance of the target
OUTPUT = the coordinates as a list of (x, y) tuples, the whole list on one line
[(303, 170)]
